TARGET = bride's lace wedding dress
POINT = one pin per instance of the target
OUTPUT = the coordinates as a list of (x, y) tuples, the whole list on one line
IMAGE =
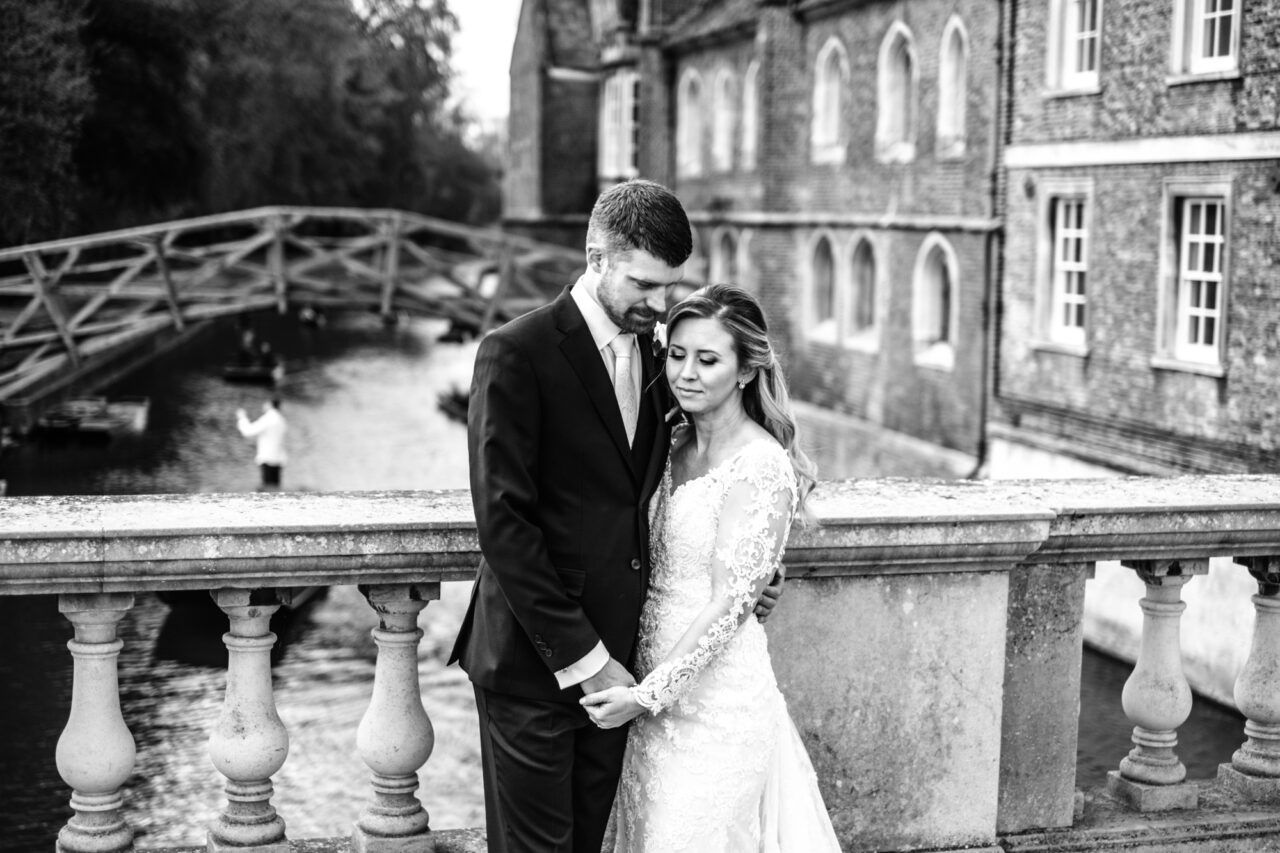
[(717, 766)]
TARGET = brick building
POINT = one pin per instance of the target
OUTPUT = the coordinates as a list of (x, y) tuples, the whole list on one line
[(836, 156), (1141, 325)]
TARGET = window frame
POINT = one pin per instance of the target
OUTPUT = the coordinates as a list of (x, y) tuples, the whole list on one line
[(1062, 39), (689, 129), (1185, 63), (724, 103), (827, 134), (616, 155), (897, 101), (1173, 352), (1050, 298), (717, 274), (936, 354), (953, 90), (824, 330), (867, 338)]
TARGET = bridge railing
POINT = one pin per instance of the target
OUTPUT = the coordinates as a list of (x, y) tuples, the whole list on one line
[(65, 302), (928, 644)]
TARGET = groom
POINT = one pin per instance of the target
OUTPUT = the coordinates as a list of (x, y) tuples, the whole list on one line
[(567, 441)]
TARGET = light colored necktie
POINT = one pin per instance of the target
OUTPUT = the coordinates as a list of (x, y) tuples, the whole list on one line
[(623, 387)]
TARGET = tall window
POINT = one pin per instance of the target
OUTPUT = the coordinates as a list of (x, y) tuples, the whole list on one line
[(860, 309), (689, 125), (1070, 271), (1074, 43), (822, 292), (1206, 36), (724, 103), (1201, 239), (1194, 272), (952, 89), (618, 105), (750, 114), (895, 118), (831, 72), (934, 304), (724, 261)]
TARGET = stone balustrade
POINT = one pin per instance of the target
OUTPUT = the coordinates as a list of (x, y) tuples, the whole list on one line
[(929, 646)]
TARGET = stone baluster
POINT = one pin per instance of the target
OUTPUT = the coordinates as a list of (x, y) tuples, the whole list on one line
[(249, 743), (1254, 771), (96, 751), (1156, 697), (395, 736)]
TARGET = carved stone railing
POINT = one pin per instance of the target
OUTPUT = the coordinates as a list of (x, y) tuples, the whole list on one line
[(929, 646)]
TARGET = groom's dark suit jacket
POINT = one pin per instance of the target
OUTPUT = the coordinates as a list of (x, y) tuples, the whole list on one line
[(560, 502)]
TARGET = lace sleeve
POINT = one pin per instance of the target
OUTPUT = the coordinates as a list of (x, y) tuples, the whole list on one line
[(750, 535)]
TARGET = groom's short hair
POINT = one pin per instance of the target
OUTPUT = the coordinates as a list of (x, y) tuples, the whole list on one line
[(639, 214)]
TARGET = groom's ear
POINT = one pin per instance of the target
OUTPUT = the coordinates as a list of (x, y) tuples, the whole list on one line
[(596, 259)]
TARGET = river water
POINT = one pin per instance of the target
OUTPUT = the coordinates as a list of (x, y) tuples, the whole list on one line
[(361, 402)]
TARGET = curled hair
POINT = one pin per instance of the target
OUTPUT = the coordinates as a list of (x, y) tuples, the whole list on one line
[(643, 215), (765, 397)]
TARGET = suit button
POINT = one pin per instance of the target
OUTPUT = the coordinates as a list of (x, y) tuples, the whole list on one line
[(547, 652), (635, 564)]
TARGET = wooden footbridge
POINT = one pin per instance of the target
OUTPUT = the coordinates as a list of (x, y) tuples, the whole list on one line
[(69, 307)]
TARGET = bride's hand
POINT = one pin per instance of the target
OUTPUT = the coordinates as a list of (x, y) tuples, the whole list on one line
[(611, 708)]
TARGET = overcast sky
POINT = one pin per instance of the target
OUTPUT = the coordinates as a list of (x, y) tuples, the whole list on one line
[(482, 54)]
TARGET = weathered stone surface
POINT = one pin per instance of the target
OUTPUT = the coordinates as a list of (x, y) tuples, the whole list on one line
[(898, 702), (1152, 798), (1041, 696)]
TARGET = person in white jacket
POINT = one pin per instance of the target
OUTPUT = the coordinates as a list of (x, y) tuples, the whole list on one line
[(269, 431)]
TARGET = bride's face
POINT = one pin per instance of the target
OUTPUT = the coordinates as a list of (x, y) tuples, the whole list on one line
[(702, 366)]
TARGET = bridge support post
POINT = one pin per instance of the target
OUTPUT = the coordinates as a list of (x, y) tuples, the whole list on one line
[(249, 743), (395, 737), (96, 752), (275, 262), (1156, 697), (1254, 771), (391, 266)]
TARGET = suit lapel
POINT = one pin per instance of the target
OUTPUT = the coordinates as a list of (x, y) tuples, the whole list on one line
[(579, 349), (657, 402)]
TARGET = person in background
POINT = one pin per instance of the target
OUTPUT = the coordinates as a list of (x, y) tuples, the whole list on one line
[(269, 432)]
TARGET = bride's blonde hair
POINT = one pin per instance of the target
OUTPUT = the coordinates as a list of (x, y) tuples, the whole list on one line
[(765, 397)]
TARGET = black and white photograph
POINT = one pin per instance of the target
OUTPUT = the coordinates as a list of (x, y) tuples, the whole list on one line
[(640, 426)]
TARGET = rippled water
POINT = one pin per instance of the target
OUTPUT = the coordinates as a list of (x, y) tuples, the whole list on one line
[(361, 401)]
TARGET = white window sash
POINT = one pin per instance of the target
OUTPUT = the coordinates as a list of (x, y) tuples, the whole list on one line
[(1198, 325), (1069, 271), (1210, 22), (1081, 42)]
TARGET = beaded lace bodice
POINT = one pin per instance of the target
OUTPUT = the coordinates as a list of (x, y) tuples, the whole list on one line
[(716, 541), (717, 737)]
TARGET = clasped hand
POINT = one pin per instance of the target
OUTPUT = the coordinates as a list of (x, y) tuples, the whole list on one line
[(612, 707)]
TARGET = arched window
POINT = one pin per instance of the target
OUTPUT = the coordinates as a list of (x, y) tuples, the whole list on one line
[(723, 106), (895, 120), (617, 150), (724, 259), (934, 304), (952, 89), (689, 125), (822, 291), (831, 72), (750, 113), (862, 310)]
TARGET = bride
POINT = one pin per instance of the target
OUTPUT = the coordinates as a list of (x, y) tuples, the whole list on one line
[(714, 762)]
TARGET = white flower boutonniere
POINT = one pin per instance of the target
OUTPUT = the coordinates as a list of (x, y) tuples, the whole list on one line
[(660, 340)]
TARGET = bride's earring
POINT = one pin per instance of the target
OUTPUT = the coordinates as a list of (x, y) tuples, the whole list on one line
[(742, 384)]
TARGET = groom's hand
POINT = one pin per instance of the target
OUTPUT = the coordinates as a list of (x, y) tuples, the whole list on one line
[(770, 594), (614, 674)]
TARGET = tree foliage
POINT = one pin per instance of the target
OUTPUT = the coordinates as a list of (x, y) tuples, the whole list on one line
[(44, 94), (148, 110)]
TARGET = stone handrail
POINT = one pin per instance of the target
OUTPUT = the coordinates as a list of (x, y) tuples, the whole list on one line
[(929, 645)]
